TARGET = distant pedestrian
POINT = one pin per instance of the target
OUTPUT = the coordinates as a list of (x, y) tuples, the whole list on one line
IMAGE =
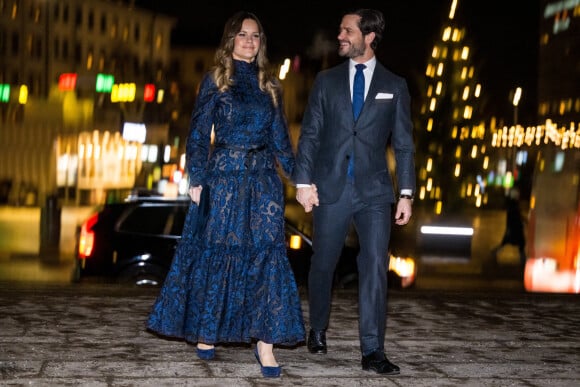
[(514, 228)]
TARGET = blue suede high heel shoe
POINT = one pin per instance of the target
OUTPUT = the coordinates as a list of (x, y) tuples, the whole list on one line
[(267, 372), (205, 354)]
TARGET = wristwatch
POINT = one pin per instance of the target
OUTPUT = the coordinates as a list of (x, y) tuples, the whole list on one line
[(406, 196)]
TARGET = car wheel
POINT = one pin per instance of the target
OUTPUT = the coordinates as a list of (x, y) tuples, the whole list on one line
[(139, 276)]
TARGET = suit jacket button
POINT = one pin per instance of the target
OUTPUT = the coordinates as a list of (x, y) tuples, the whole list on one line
[(354, 133)]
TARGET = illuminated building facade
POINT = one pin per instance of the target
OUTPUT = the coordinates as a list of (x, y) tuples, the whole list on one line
[(451, 135), (42, 39), (466, 158), (72, 74), (558, 112)]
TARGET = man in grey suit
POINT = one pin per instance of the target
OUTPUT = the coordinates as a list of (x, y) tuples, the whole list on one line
[(342, 175)]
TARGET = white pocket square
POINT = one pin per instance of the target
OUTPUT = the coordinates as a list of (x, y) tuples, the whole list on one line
[(384, 96)]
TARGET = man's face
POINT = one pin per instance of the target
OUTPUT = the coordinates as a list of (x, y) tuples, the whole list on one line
[(351, 42)]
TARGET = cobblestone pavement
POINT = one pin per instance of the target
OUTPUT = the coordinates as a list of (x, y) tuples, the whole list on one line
[(94, 335)]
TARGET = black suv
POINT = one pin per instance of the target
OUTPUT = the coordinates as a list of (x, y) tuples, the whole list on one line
[(134, 241)]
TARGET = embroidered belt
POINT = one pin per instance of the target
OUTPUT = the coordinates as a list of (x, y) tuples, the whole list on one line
[(250, 150)]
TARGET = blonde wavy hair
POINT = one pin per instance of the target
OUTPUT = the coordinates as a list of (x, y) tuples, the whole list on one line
[(224, 63)]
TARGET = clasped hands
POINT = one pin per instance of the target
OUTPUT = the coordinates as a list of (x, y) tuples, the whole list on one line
[(307, 196)]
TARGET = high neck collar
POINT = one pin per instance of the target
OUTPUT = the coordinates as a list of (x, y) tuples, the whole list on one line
[(244, 67)]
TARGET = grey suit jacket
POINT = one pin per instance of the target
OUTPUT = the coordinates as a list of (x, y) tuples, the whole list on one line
[(329, 135)]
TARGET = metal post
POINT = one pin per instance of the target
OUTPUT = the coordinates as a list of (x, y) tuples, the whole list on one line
[(50, 222)]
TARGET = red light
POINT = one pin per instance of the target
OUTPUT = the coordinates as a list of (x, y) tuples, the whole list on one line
[(67, 81), (87, 237), (296, 64), (149, 93)]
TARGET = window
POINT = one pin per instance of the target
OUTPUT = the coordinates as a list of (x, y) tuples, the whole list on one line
[(90, 59), (56, 12), (35, 13), (78, 53), (14, 13), (114, 27), (79, 17), (28, 48), (158, 41), (91, 21), (56, 48), (155, 219), (65, 49), (125, 33), (3, 50), (32, 83), (38, 48), (65, 13), (15, 43), (101, 64)]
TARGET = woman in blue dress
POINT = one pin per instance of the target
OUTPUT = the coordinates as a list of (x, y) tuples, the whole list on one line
[(231, 282)]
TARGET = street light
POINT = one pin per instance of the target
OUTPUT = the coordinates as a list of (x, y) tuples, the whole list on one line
[(515, 102)]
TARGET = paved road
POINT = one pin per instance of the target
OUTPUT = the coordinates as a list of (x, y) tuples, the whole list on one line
[(93, 335)]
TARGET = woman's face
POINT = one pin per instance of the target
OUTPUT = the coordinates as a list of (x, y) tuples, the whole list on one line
[(247, 41)]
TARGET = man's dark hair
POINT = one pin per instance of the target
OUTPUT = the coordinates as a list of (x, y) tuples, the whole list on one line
[(371, 20)]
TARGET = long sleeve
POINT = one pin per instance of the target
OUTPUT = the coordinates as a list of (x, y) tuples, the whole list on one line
[(281, 141), (403, 144), (199, 139), (309, 142)]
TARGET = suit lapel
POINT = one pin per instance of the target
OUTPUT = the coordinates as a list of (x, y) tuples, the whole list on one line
[(377, 83), (344, 91)]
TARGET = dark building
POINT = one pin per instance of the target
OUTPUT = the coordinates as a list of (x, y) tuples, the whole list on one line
[(559, 62)]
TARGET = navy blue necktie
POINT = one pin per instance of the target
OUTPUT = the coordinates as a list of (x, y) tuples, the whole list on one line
[(358, 99), (358, 90)]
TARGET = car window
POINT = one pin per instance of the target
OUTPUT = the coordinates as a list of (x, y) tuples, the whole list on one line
[(154, 219)]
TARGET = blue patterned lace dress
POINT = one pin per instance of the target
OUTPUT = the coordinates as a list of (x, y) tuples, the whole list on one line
[(233, 282)]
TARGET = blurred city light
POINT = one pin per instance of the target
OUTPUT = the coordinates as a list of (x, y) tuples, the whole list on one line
[(160, 95), (123, 92), (149, 93), (67, 81), (446, 230), (104, 83), (284, 69), (23, 95), (517, 96), (4, 92), (134, 132)]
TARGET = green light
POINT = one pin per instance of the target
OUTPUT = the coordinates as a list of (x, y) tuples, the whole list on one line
[(4, 92), (508, 181), (104, 83)]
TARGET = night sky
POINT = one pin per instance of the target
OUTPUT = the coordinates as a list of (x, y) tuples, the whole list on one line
[(503, 34)]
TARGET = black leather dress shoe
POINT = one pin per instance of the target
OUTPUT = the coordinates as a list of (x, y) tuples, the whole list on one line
[(378, 362), (317, 341)]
